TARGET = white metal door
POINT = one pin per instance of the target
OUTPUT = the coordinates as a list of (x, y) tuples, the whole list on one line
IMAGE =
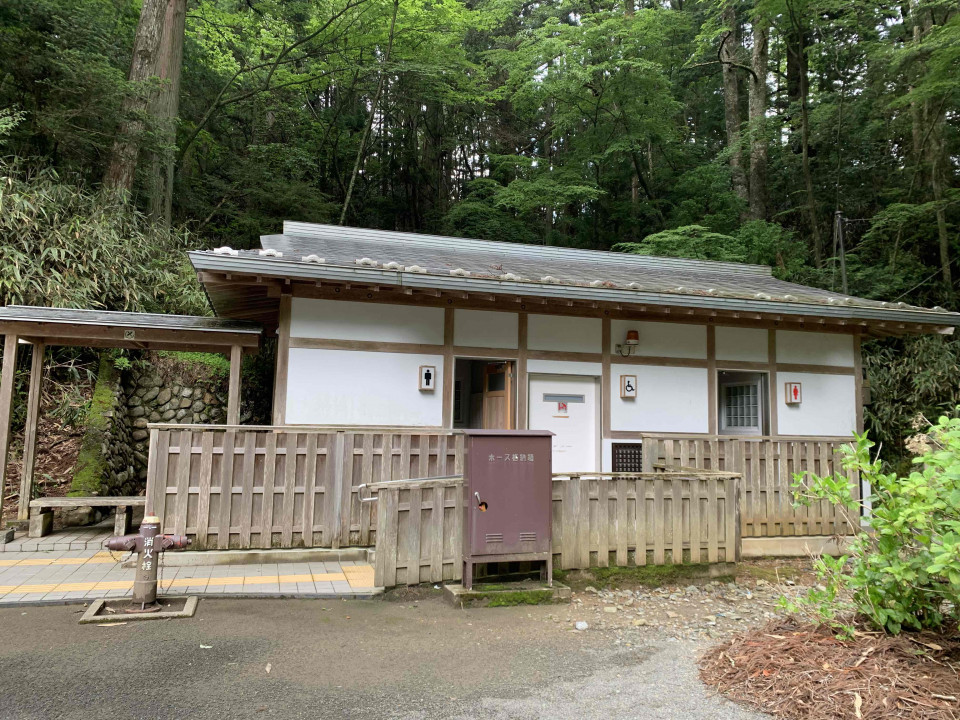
[(567, 406)]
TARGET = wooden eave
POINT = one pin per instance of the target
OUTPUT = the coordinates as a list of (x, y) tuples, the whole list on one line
[(257, 298)]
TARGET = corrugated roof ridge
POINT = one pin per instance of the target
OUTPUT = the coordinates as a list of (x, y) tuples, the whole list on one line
[(320, 231)]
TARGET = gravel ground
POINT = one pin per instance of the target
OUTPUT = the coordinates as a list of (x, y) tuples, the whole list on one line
[(410, 657)]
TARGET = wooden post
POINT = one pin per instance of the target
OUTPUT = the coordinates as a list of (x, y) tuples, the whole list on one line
[(6, 406), (30, 433), (233, 394), (283, 361)]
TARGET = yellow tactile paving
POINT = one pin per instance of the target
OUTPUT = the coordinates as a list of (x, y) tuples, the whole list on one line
[(99, 559), (260, 580), (359, 575)]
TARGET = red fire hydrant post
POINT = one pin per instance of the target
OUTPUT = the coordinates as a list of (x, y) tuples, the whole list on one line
[(148, 544)]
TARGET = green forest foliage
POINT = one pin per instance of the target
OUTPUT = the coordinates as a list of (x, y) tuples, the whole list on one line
[(718, 129)]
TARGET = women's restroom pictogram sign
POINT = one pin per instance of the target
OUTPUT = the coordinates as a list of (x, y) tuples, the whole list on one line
[(792, 393)]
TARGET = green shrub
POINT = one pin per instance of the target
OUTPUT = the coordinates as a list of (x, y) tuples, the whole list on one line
[(903, 572)]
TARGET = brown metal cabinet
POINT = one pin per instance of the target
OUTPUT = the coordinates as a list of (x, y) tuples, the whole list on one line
[(508, 493)]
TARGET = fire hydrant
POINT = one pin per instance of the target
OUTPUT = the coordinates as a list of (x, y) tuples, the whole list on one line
[(148, 544)]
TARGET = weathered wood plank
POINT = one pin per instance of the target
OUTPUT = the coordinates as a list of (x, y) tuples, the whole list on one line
[(309, 490), (413, 536), (289, 485), (269, 479), (246, 492), (622, 533)]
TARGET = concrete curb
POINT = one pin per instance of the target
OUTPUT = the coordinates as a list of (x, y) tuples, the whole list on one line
[(374, 594), (200, 558)]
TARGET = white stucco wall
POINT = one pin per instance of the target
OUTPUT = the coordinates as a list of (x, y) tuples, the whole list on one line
[(339, 320), (344, 387), (568, 334), (658, 339), (669, 399), (813, 348), (829, 406), (742, 344), (484, 328)]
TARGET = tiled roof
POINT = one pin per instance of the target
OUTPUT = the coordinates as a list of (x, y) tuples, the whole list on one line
[(414, 260)]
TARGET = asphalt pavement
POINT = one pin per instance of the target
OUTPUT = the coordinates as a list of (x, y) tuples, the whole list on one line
[(412, 659)]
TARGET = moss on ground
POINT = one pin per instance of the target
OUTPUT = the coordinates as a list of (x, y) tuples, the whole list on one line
[(642, 576), (520, 597), (91, 466)]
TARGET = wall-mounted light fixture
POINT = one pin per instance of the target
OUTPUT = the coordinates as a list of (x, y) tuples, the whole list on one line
[(629, 344)]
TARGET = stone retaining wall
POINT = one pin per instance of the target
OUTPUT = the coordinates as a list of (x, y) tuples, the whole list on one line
[(152, 395)]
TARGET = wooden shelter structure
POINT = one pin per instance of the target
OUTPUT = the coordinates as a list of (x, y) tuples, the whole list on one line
[(39, 327)]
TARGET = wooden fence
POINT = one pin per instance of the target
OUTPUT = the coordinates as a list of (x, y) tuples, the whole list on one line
[(263, 487), (683, 517), (767, 466)]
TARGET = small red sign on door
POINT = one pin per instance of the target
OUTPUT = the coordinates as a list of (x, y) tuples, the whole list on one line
[(562, 408), (793, 393)]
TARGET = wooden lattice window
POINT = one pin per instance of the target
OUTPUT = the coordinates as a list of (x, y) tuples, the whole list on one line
[(627, 457)]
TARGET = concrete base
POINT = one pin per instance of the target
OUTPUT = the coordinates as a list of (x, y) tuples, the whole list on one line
[(92, 615), (7, 535), (506, 594), (257, 557), (794, 546), (41, 524)]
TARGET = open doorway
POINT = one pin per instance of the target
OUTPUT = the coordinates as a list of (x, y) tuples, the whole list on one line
[(484, 394)]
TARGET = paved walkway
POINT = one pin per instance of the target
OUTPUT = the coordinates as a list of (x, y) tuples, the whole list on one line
[(78, 538), (77, 575)]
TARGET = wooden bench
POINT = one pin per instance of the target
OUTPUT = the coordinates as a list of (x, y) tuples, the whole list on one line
[(41, 511)]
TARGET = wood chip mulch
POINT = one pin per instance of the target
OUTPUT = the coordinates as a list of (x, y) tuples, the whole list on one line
[(804, 671)]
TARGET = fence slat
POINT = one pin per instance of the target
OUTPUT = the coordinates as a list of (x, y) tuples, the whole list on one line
[(408, 537), (269, 479), (203, 489), (767, 466), (246, 497), (289, 485), (226, 490), (309, 490)]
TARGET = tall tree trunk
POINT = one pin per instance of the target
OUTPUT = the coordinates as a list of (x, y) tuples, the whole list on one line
[(798, 91), (122, 166), (373, 110), (938, 163), (758, 119), (729, 51), (437, 190), (165, 109)]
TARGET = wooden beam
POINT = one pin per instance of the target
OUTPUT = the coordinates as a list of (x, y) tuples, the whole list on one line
[(448, 368), (233, 393), (774, 385), (523, 385), (55, 333), (712, 418), (6, 406), (30, 434), (858, 379), (605, 382), (283, 361)]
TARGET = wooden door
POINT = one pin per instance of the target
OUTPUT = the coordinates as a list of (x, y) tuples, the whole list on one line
[(499, 409)]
